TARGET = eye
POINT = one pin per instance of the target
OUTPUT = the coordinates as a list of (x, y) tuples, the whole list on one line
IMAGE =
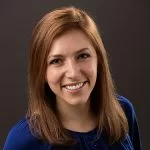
[(83, 56), (55, 61)]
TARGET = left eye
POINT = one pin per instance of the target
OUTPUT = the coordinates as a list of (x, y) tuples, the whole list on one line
[(83, 56)]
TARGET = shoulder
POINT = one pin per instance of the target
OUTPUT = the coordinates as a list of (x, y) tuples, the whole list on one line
[(125, 102), (127, 106), (20, 137), (128, 109), (132, 121)]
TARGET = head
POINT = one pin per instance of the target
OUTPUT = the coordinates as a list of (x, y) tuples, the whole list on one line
[(50, 28)]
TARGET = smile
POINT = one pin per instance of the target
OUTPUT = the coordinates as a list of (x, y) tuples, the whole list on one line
[(74, 87)]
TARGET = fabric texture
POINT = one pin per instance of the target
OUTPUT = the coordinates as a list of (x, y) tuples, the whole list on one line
[(20, 137)]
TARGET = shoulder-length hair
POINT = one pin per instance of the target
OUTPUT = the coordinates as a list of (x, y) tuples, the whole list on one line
[(42, 117)]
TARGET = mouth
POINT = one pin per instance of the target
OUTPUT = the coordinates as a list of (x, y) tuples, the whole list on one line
[(75, 86)]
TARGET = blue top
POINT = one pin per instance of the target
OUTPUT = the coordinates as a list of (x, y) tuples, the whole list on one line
[(20, 137)]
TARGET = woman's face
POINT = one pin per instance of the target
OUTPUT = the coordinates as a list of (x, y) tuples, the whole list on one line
[(72, 68)]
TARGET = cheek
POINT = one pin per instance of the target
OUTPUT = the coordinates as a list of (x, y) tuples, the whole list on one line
[(52, 77), (91, 68)]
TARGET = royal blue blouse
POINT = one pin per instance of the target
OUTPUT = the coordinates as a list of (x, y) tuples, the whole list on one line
[(20, 137)]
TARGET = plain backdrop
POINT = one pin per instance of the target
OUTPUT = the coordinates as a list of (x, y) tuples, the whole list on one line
[(124, 26)]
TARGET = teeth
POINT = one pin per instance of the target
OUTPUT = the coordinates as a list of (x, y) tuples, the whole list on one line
[(74, 87)]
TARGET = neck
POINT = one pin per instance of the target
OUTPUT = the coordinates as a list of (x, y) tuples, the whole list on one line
[(77, 118)]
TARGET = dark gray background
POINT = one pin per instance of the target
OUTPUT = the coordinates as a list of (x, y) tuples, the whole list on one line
[(125, 31)]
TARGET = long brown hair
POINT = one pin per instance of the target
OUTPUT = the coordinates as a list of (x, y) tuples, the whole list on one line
[(42, 117)]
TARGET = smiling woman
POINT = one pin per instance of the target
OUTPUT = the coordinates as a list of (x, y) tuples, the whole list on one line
[(72, 100)]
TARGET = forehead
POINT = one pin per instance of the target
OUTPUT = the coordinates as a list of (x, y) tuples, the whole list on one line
[(70, 41)]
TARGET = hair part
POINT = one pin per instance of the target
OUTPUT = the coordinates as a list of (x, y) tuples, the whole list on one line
[(42, 115)]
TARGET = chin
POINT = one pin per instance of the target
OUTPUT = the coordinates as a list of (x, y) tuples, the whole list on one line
[(77, 102)]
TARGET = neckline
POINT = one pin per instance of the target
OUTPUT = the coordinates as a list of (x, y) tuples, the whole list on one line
[(84, 133)]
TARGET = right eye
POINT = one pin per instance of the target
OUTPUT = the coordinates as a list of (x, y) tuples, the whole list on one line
[(55, 61)]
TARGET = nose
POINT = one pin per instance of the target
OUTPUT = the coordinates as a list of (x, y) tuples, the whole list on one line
[(72, 70)]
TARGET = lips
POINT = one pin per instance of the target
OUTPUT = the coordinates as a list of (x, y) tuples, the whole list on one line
[(74, 86)]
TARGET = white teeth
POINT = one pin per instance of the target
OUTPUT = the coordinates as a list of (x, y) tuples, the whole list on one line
[(74, 87)]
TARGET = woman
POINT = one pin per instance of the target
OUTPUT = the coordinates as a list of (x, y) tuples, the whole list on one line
[(72, 100)]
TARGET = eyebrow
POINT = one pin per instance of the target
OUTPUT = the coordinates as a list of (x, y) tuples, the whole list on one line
[(60, 55)]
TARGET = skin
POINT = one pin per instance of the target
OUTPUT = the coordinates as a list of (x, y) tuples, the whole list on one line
[(71, 75)]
